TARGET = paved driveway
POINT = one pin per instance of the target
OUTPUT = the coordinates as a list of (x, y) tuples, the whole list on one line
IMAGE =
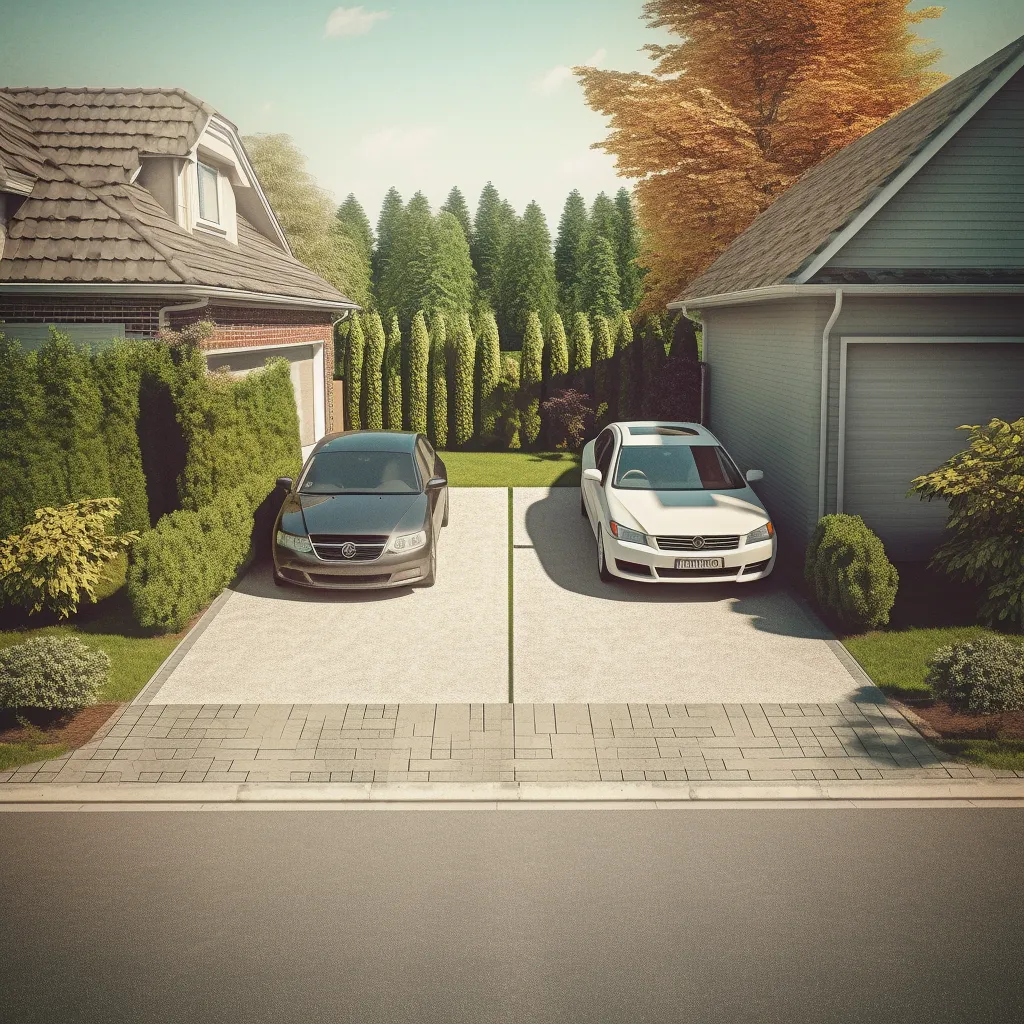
[(576, 640)]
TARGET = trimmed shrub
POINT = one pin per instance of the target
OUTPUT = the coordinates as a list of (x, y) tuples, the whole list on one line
[(652, 361), (557, 363), (438, 422), (57, 673), (604, 349), (465, 353), (490, 374), (982, 676), (60, 556), (354, 353), (530, 372), (393, 376), (507, 395), (570, 415), (419, 354), (629, 371), (581, 342), (372, 366), (847, 568)]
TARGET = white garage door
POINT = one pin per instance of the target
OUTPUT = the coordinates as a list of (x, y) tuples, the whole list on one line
[(903, 405)]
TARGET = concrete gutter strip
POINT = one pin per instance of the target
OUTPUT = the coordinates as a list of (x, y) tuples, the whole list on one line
[(510, 795)]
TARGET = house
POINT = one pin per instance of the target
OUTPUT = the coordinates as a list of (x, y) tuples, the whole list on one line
[(877, 305), (126, 211)]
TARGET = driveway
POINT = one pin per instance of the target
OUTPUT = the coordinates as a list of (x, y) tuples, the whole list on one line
[(575, 640)]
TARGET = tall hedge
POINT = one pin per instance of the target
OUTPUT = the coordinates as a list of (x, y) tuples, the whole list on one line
[(652, 362), (465, 353), (557, 362), (604, 349), (438, 421), (629, 370), (393, 376), (419, 355), (373, 363), (354, 353), (530, 372), (507, 401), (490, 373), (581, 342)]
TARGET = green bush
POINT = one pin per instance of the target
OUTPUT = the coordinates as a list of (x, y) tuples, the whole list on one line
[(581, 342), (60, 556), (507, 404), (490, 375), (372, 368), (604, 350), (438, 422), (57, 673), (984, 486), (851, 577), (393, 376), (354, 352), (982, 676), (557, 363), (465, 358), (530, 371), (419, 358)]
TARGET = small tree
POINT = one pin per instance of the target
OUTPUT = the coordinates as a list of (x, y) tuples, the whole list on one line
[(490, 375), (393, 375), (604, 349), (628, 369), (372, 367), (557, 363), (571, 416), (580, 343), (599, 289), (438, 422), (984, 485), (354, 375), (419, 355), (508, 404), (465, 352), (530, 371)]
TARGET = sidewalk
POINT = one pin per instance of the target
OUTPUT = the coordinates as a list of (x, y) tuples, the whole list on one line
[(455, 743)]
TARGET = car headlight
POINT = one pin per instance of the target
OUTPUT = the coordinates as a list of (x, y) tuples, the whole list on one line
[(765, 532), (409, 541), (629, 536), (288, 540)]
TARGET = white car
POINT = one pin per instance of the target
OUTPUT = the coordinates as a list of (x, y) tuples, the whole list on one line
[(668, 505)]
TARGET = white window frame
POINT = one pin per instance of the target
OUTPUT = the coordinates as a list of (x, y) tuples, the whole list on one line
[(845, 342), (216, 225)]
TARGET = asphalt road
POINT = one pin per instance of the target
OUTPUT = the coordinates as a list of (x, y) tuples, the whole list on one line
[(513, 916)]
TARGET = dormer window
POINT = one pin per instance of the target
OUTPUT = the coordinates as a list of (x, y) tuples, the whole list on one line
[(209, 193)]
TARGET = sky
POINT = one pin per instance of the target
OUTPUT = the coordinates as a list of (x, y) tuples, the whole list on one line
[(420, 94)]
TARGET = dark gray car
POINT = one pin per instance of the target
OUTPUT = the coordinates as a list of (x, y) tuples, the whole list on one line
[(365, 513)]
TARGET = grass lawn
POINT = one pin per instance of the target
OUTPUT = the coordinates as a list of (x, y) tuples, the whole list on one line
[(14, 754), (512, 469)]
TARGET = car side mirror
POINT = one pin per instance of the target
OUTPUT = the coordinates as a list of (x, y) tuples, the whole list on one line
[(754, 476), (436, 481), (592, 474), (285, 482)]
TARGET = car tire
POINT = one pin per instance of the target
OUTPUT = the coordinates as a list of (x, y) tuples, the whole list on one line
[(602, 562), (583, 506), (431, 578), (444, 522)]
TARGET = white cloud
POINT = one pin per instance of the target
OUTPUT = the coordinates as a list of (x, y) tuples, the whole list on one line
[(353, 21), (554, 79), (391, 145)]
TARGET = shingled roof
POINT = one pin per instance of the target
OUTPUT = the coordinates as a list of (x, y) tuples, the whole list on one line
[(805, 218), (86, 221)]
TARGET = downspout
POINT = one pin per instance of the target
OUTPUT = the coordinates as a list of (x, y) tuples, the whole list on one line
[(330, 397), (161, 317), (823, 430)]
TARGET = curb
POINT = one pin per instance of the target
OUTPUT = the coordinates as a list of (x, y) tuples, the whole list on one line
[(507, 795)]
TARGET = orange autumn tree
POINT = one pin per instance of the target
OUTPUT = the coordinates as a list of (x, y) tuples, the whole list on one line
[(756, 92)]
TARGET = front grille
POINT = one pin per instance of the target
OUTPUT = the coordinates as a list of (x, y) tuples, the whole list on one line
[(636, 568), (756, 566), (691, 574), (712, 543), (349, 580), (328, 546)]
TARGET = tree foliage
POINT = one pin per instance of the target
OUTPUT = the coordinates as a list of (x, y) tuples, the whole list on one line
[(527, 280), (419, 354), (629, 370), (373, 365), (455, 204), (557, 363), (490, 373), (581, 343), (604, 350), (570, 252), (438, 421), (530, 373), (354, 356), (627, 251), (491, 228), (354, 222), (391, 211), (599, 283), (393, 376), (465, 360)]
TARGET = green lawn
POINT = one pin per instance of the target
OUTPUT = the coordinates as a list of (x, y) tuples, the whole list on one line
[(14, 754), (512, 469)]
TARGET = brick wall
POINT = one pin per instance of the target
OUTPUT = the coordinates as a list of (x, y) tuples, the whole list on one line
[(139, 316)]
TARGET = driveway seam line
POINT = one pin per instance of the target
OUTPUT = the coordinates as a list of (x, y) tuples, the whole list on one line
[(511, 613)]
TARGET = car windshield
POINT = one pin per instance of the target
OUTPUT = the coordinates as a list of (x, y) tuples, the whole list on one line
[(677, 467), (349, 472)]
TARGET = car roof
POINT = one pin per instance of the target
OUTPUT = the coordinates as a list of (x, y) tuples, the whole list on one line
[(369, 441), (636, 433)]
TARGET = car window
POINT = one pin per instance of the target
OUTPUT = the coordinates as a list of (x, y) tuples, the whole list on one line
[(425, 459), (603, 451), (676, 468), (351, 472)]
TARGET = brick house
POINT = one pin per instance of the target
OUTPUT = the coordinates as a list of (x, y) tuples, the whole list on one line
[(124, 211)]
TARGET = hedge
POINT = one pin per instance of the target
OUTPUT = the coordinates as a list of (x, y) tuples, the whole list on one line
[(530, 369), (354, 352), (393, 376), (419, 357), (438, 422), (629, 370), (490, 374), (557, 362), (373, 363), (465, 358), (581, 342), (604, 350)]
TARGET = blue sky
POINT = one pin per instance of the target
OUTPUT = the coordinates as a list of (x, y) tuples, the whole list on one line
[(422, 94)]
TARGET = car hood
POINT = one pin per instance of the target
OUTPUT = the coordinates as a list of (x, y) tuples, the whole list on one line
[(675, 513), (353, 513)]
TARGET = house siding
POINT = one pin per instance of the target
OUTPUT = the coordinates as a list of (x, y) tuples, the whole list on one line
[(965, 209)]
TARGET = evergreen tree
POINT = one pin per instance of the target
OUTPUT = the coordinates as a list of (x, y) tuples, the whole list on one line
[(419, 350), (354, 222), (490, 372), (530, 373), (581, 342), (604, 349), (605, 219), (455, 204), (438, 422), (393, 376), (627, 251), (354, 375), (508, 392), (391, 213), (628, 370), (527, 282), (570, 252), (490, 233), (451, 281), (652, 355), (410, 264), (557, 349), (372, 369), (599, 288), (465, 358), (684, 339)]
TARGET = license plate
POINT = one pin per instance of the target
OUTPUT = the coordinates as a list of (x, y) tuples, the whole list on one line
[(700, 563)]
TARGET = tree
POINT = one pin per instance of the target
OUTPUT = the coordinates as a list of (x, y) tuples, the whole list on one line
[(393, 376), (438, 422), (507, 393), (372, 367), (391, 212), (455, 204), (628, 251), (749, 97), (558, 349), (628, 370), (581, 341), (354, 222), (605, 219), (490, 233), (527, 281), (652, 361), (451, 281), (465, 358), (599, 286), (354, 354), (306, 214), (570, 252), (419, 350), (490, 373), (604, 349), (530, 373), (409, 265)]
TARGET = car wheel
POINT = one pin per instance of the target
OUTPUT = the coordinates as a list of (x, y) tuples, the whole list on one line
[(431, 577), (444, 522), (583, 506), (602, 564)]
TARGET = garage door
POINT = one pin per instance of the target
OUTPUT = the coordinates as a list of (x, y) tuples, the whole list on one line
[(303, 360), (903, 405)]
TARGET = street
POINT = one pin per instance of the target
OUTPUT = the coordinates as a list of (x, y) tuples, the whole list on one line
[(513, 916)]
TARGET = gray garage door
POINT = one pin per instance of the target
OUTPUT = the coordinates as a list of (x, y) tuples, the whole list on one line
[(903, 405)]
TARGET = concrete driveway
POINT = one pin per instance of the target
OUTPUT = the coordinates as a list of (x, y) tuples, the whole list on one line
[(575, 639)]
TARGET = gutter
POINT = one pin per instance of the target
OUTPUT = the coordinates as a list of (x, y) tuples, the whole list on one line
[(826, 335), (161, 316)]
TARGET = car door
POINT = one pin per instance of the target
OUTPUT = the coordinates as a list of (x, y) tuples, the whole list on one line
[(593, 492)]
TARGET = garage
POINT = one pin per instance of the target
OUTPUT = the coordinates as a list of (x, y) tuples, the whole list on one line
[(901, 401)]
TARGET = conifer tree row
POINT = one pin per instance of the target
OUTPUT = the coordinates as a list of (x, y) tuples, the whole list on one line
[(393, 376), (354, 353), (465, 360), (419, 357), (373, 365), (530, 372), (438, 420), (490, 372)]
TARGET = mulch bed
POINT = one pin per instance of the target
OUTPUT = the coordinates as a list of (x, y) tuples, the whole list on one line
[(70, 728), (954, 725)]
